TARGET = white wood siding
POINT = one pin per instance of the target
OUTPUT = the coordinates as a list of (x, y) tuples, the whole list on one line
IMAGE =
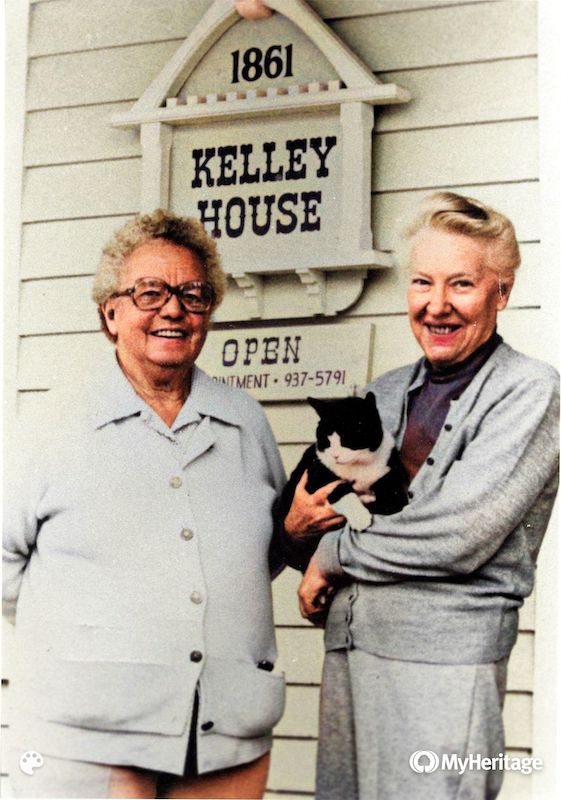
[(471, 125)]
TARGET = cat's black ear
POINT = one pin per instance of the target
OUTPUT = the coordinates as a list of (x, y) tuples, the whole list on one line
[(317, 405), (371, 401)]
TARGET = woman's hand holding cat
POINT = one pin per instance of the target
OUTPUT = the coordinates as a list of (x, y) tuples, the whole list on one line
[(311, 513), (315, 594)]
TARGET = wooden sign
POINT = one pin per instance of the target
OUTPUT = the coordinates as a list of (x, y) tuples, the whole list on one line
[(291, 363), (262, 129), (268, 198)]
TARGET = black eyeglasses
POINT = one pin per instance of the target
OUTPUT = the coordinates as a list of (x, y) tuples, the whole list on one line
[(150, 294)]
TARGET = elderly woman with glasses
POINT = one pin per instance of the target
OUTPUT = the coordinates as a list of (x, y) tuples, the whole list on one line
[(137, 553)]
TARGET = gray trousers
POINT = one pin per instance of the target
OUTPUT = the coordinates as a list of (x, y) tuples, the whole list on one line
[(376, 712)]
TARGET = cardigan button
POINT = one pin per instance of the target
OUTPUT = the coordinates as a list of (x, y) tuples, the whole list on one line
[(175, 482), (196, 597), (430, 461), (447, 427), (207, 726), (196, 656), (187, 534), (410, 495)]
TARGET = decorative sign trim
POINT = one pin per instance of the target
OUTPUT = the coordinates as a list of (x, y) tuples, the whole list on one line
[(275, 100), (218, 19)]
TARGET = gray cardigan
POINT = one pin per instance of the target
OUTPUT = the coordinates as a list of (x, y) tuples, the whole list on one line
[(442, 580), (138, 558)]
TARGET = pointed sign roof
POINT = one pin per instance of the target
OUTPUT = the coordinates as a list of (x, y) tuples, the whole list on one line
[(360, 84)]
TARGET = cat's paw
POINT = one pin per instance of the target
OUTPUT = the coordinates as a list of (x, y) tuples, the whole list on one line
[(358, 517)]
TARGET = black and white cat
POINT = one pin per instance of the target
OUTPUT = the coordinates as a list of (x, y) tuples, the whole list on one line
[(352, 444)]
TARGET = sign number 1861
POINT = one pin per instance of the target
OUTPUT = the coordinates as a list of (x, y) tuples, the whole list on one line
[(253, 63)]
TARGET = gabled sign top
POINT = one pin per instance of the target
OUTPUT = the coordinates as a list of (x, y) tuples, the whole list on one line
[(160, 101)]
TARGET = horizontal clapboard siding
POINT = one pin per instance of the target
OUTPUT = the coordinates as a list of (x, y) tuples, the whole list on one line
[(49, 247), (64, 304), (293, 765), (388, 42), (442, 35), (519, 200), (81, 190), (65, 248), (122, 73), (420, 159), (471, 29), (301, 715), (71, 25), (450, 95), (43, 359), (332, 8), (65, 26), (427, 158), (82, 133), (464, 93)]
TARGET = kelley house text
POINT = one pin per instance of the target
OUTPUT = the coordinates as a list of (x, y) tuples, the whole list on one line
[(279, 212)]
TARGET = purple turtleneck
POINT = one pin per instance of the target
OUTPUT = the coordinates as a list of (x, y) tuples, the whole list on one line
[(428, 406)]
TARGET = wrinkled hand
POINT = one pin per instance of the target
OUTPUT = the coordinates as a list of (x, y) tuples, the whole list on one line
[(315, 594), (311, 513)]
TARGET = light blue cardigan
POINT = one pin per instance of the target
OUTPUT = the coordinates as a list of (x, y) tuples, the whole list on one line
[(138, 558), (442, 580)]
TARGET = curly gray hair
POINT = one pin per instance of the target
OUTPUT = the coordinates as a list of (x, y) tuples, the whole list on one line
[(183, 231)]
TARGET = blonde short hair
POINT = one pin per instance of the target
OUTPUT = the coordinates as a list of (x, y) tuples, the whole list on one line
[(184, 231), (455, 213)]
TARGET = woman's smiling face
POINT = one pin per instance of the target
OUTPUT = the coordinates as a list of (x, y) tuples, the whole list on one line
[(453, 295), (170, 337)]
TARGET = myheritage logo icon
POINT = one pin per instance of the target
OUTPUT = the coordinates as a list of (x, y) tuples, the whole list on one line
[(423, 761)]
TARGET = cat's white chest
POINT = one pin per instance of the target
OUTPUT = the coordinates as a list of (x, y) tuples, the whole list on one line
[(362, 468)]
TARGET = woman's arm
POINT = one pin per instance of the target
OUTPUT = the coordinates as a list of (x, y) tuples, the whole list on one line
[(277, 479), (303, 518), (462, 521), (21, 526)]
